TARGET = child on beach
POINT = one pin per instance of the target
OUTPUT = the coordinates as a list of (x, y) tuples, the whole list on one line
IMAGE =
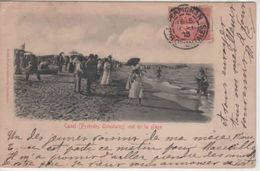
[(136, 86)]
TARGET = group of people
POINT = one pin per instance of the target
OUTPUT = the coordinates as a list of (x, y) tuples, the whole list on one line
[(95, 69), (92, 69)]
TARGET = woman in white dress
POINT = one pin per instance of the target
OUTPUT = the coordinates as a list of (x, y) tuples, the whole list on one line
[(99, 68), (106, 73), (128, 82), (136, 86), (78, 74)]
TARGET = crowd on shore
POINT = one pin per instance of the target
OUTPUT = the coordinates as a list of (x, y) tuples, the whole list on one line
[(91, 67), (94, 69)]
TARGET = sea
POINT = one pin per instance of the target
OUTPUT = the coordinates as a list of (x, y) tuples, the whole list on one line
[(178, 83)]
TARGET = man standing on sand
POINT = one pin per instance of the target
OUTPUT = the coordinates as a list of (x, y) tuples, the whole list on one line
[(71, 65), (90, 70), (32, 67), (202, 82), (60, 61)]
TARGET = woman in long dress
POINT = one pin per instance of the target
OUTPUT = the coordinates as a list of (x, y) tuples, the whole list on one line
[(106, 73), (99, 68), (136, 86), (78, 74), (128, 82)]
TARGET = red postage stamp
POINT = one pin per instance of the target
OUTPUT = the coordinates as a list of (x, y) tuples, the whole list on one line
[(188, 26)]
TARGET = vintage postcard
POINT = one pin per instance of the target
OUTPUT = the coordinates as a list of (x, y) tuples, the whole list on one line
[(128, 84)]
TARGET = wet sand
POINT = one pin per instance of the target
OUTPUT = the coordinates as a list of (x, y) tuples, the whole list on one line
[(54, 98), (155, 109)]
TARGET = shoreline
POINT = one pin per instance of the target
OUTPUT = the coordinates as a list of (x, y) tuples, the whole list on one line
[(154, 108), (53, 98)]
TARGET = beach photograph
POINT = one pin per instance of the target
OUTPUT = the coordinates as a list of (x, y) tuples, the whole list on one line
[(106, 65), (118, 91)]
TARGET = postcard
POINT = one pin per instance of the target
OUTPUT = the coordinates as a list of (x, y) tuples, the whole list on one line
[(128, 84)]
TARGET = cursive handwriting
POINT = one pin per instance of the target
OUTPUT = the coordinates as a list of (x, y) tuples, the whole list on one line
[(148, 150), (236, 32)]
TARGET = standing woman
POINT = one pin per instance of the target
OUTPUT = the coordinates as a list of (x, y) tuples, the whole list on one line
[(99, 68), (106, 73), (133, 68), (136, 86), (67, 60), (78, 74)]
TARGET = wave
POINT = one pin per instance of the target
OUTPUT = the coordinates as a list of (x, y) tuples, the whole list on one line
[(167, 84), (171, 85), (184, 96)]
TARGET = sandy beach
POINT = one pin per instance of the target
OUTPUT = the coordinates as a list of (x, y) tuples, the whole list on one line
[(54, 98)]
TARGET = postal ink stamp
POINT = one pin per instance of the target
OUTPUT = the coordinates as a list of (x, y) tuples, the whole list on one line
[(188, 26)]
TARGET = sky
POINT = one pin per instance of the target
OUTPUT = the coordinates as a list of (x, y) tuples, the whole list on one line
[(123, 30)]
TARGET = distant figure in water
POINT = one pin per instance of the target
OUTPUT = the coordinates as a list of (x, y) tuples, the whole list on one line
[(159, 72), (136, 86), (202, 81)]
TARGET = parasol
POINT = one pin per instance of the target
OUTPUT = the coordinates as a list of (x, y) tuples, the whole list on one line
[(75, 53), (133, 61)]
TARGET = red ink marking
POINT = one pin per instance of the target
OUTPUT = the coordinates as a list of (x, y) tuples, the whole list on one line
[(189, 26)]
